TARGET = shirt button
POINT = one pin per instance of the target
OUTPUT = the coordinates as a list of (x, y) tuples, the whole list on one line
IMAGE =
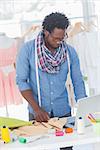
[(51, 93), (51, 103), (51, 82)]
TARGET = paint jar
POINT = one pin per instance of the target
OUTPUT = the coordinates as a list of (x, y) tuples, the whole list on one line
[(80, 125)]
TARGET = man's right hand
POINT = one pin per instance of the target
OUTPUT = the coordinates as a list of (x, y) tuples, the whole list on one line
[(41, 115)]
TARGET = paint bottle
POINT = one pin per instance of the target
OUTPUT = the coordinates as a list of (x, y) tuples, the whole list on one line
[(5, 134), (80, 125)]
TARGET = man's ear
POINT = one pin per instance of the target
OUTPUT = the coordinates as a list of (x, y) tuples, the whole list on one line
[(46, 33)]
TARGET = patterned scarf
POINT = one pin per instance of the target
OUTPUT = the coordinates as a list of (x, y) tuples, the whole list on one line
[(46, 60)]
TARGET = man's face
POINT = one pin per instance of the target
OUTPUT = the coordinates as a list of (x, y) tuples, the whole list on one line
[(53, 39)]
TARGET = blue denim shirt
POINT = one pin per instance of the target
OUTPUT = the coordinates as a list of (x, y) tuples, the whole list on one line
[(53, 91)]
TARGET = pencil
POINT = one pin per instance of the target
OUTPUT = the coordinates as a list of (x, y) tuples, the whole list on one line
[(43, 125), (92, 117), (93, 121)]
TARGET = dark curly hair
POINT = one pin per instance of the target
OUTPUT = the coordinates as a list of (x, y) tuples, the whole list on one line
[(55, 20)]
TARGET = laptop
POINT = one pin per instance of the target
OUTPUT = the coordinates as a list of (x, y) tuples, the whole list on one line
[(84, 107)]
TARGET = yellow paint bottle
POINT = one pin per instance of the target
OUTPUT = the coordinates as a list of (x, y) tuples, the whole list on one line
[(5, 134)]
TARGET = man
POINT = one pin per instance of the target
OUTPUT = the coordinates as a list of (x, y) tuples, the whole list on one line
[(52, 51)]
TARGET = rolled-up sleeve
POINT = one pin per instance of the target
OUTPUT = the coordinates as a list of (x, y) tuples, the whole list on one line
[(22, 68), (76, 75)]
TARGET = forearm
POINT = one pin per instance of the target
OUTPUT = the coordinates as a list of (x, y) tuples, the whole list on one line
[(40, 114), (27, 94)]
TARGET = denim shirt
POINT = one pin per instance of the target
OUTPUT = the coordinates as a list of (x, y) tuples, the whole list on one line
[(54, 96)]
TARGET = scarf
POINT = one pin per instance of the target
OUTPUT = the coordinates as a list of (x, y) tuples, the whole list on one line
[(46, 60)]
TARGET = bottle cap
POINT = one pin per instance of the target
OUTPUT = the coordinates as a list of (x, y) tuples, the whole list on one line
[(80, 117), (22, 140), (68, 130)]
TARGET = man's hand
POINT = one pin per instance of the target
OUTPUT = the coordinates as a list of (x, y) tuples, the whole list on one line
[(41, 115)]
